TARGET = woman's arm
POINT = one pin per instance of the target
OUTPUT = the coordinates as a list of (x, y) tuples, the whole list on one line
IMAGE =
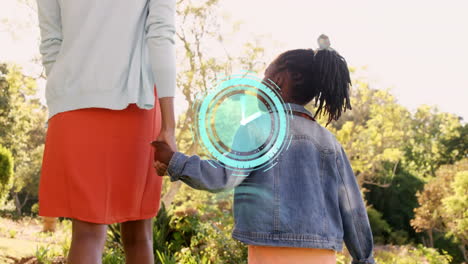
[(167, 133), (50, 25), (160, 31)]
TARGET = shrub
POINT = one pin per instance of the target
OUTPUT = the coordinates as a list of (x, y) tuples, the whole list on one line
[(6, 172), (113, 256), (411, 255), (380, 228), (35, 208), (48, 255), (12, 233)]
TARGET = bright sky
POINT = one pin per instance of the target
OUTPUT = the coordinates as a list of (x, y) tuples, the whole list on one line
[(419, 48)]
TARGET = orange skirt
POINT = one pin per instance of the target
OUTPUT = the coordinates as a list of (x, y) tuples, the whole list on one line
[(285, 255), (97, 165)]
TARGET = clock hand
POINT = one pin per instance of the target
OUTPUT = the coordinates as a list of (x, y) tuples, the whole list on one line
[(250, 118), (242, 99)]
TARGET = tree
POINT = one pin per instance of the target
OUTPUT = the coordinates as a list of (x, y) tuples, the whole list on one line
[(440, 204), (205, 61), (22, 117), (396, 201), (433, 141), (6, 172), (455, 209), (372, 133), (455, 148)]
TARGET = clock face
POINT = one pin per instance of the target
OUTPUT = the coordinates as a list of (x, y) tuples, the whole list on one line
[(243, 123)]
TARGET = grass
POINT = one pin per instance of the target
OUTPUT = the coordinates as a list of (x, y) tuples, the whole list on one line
[(17, 247), (22, 238)]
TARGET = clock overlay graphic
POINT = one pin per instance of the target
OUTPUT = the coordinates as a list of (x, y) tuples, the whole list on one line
[(242, 123)]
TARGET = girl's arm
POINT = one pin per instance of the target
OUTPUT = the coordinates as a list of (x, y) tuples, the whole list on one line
[(202, 174), (356, 227), (195, 172), (50, 26)]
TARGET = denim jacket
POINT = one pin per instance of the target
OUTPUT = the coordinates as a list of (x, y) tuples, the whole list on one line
[(309, 199)]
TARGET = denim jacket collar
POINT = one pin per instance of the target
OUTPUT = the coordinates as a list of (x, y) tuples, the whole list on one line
[(299, 108)]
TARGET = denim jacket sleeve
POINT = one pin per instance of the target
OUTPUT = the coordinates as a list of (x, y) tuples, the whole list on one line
[(356, 227), (202, 174), (208, 174)]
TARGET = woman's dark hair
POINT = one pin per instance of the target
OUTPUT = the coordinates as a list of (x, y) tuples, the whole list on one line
[(322, 75)]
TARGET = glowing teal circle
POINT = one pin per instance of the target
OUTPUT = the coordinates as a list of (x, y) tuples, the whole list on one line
[(219, 97), (226, 136), (278, 125)]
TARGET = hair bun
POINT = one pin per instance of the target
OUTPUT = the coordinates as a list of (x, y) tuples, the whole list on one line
[(324, 42)]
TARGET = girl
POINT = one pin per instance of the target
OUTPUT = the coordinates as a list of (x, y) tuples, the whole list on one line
[(102, 60), (313, 202)]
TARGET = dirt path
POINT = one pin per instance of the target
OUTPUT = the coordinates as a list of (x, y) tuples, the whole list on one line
[(22, 238)]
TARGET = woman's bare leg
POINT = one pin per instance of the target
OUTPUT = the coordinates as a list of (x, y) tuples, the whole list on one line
[(87, 244), (137, 238)]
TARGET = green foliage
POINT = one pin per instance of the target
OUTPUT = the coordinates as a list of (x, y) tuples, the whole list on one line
[(12, 233), (165, 258), (174, 231), (382, 231), (45, 254), (6, 172), (398, 237), (197, 235), (455, 206), (372, 132), (35, 208), (380, 228), (430, 144), (455, 148), (442, 205), (188, 236), (113, 256), (22, 117), (409, 255), (213, 236), (396, 201)]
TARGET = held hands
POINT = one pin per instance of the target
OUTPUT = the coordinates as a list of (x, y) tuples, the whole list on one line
[(165, 147)]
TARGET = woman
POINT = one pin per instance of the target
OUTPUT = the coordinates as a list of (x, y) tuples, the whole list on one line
[(103, 59)]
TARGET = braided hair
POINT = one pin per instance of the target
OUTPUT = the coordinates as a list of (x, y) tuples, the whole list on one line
[(320, 75)]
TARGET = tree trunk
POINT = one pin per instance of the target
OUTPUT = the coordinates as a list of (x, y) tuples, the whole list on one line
[(49, 224), (17, 204), (171, 193), (431, 238), (463, 247)]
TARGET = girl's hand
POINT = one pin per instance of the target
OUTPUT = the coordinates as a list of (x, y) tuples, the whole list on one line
[(160, 167), (162, 156)]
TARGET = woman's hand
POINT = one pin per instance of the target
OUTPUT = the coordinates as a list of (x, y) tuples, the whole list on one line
[(168, 136)]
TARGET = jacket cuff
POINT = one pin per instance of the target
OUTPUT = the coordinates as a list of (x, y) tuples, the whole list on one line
[(176, 165), (369, 260)]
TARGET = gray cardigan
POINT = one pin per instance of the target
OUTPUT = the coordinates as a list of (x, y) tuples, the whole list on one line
[(107, 53)]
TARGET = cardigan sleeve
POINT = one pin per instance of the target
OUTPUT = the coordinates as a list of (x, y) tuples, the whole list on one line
[(50, 26), (160, 32)]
